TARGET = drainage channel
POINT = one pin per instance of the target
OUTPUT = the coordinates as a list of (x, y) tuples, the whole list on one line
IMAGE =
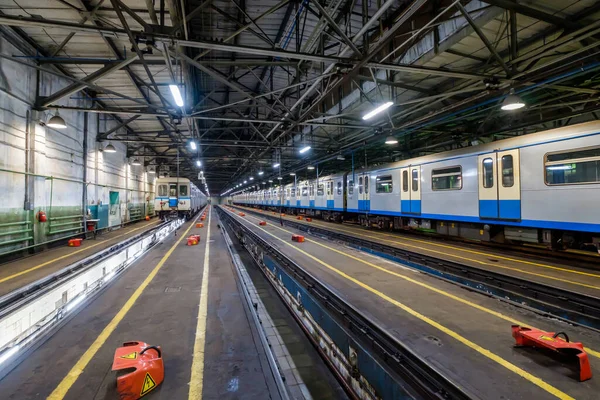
[(368, 362), (551, 301), (32, 313), (295, 362)]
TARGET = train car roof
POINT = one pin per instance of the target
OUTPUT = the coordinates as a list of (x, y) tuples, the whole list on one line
[(549, 136)]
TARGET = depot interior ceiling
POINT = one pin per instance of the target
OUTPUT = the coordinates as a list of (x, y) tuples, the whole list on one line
[(262, 79)]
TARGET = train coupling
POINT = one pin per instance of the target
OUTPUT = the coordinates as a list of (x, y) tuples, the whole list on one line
[(139, 368), (529, 337)]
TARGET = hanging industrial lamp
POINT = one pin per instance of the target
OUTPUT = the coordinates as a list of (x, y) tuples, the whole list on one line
[(57, 122), (512, 102), (110, 148)]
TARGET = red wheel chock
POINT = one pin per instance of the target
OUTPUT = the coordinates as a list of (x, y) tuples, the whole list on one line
[(552, 341), (262, 223), (298, 238), (139, 369)]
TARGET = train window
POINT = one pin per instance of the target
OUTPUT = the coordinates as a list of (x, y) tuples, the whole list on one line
[(366, 185), (311, 190), (293, 192), (183, 190), (163, 191), (383, 184), (360, 185), (415, 180), (350, 187), (488, 172), (173, 189), (575, 166), (339, 188), (508, 172), (329, 188), (304, 191), (405, 181), (446, 178), (320, 189)]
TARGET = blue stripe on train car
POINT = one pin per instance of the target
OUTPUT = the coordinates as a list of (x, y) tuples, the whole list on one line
[(330, 203), (405, 206), (287, 203), (488, 208), (415, 206), (173, 202), (510, 209), (364, 205), (311, 203), (298, 203)]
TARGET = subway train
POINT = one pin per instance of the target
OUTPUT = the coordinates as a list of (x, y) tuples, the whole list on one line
[(171, 202), (538, 188)]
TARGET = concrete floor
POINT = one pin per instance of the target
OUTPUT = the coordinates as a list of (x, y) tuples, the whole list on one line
[(547, 272), (21, 272), (482, 321), (166, 315)]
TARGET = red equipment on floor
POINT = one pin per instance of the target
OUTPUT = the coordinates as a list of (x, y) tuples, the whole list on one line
[(308, 219), (199, 225), (552, 341), (193, 240), (139, 369), (300, 217), (242, 215), (75, 242), (262, 223), (298, 238)]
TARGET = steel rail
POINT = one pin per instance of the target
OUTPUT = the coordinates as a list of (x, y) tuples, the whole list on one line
[(564, 304), (397, 359)]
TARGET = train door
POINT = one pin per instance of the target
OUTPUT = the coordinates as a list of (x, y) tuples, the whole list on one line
[(329, 188), (415, 189), (311, 195), (410, 190), (405, 190), (364, 197), (499, 185)]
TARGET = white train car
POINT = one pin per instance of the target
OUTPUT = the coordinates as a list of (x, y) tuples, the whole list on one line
[(177, 195)]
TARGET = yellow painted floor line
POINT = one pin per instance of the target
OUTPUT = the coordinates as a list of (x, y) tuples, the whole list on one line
[(432, 288), (68, 381), (197, 376), (474, 346), (493, 265), (28, 270)]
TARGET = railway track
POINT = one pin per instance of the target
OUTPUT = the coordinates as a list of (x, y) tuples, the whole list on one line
[(400, 362), (571, 306)]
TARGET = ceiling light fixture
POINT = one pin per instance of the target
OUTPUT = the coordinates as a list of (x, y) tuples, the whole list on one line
[(57, 122), (260, 172), (378, 110), (193, 145), (176, 95), (279, 178), (310, 167), (198, 163), (136, 161), (512, 102), (391, 140), (305, 149), (275, 165), (110, 148)]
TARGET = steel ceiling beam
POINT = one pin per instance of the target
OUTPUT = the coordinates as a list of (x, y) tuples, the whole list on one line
[(90, 79), (484, 39), (534, 13)]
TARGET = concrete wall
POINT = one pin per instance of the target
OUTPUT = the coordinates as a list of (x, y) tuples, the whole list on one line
[(42, 169)]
